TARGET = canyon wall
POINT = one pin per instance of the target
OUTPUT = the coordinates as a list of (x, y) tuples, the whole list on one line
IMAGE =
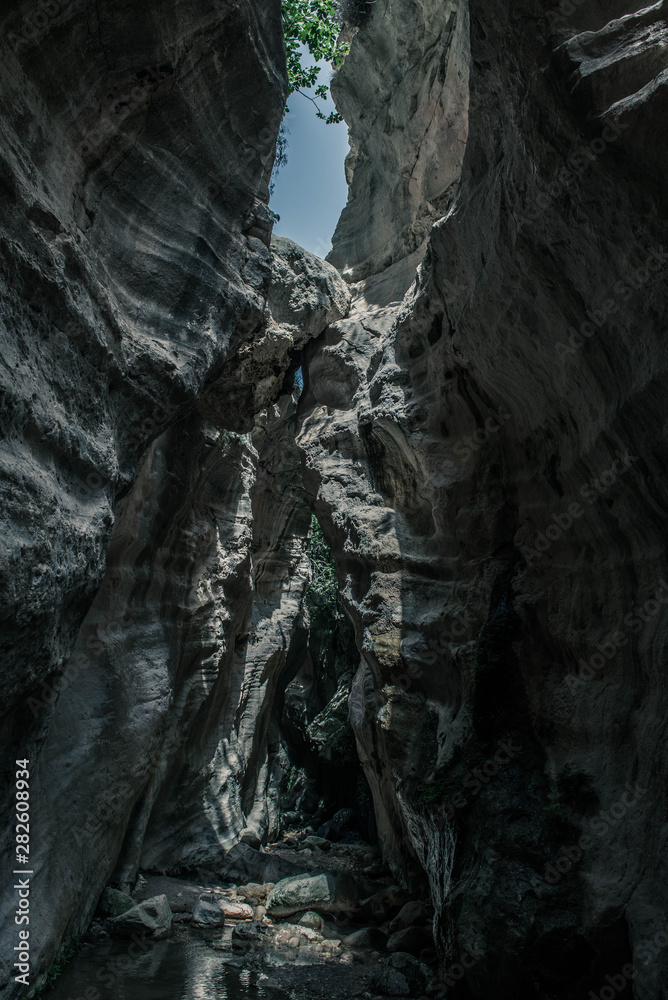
[(154, 520), (484, 443), (481, 437)]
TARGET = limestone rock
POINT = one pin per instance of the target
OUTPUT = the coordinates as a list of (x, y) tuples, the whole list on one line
[(319, 843), (385, 903), (367, 937), (402, 975), (489, 471), (250, 934), (209, 912), (152, 918), (113, 902), (411, 915), (312, 920), (412, 940), (328, 893)]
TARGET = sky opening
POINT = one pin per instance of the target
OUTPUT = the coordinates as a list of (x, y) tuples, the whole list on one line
[(310, 190)]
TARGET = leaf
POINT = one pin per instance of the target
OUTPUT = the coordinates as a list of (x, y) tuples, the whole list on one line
[(312, 23)]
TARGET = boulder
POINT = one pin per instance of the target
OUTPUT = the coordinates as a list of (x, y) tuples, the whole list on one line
[(113, 902), (368, 937), (284, 934), (385, 904), (410, 939), (251, 838), (209, 912), (330, 892), (250, 934), (401, 975), (312, 919), (413, 914), (319, 843), (243, 864), (152, 918), (342, 822), (255, 890), (236, 910)]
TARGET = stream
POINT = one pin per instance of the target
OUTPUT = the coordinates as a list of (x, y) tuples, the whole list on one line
[(182, 967)]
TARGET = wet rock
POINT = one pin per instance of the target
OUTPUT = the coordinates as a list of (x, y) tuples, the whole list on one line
[(411, 915), (401, 975), (250, 934), (330, 893), (113, 902), (208, 912), (152, 918), (410, 939)]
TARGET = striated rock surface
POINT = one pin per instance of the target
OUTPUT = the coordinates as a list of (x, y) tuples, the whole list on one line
[(482, 438), (484, 444), (154, 520)]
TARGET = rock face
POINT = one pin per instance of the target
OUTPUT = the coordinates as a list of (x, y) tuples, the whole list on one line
[(154, 521), (482, 438), (483, 442)]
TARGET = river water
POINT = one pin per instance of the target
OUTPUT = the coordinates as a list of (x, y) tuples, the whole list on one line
[(183, 967)]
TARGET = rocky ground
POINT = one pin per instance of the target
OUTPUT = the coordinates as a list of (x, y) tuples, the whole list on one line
[(338, 928)]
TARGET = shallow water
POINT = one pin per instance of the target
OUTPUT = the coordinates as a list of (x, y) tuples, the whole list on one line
[(183, 967)]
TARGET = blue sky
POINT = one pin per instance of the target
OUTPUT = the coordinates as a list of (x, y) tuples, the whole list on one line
[(311, 189)]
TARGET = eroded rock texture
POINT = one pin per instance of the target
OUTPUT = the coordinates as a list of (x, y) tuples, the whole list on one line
[(154, 523), (484, 441)]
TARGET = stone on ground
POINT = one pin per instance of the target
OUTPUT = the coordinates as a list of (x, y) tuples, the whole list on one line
[(152, 918), (402, 975), (113, 902), (329, 892)]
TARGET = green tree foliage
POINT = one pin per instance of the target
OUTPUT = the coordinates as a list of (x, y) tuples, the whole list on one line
[(315, 24), (322, 597)]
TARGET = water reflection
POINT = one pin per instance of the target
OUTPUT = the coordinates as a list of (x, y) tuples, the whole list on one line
[(183, 967)]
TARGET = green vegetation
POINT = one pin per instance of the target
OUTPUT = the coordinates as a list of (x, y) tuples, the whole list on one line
[(67, 953), (315, 24), (322, 597)]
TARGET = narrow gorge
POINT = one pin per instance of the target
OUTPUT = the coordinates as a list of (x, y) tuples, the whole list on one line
[(442, 773)]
